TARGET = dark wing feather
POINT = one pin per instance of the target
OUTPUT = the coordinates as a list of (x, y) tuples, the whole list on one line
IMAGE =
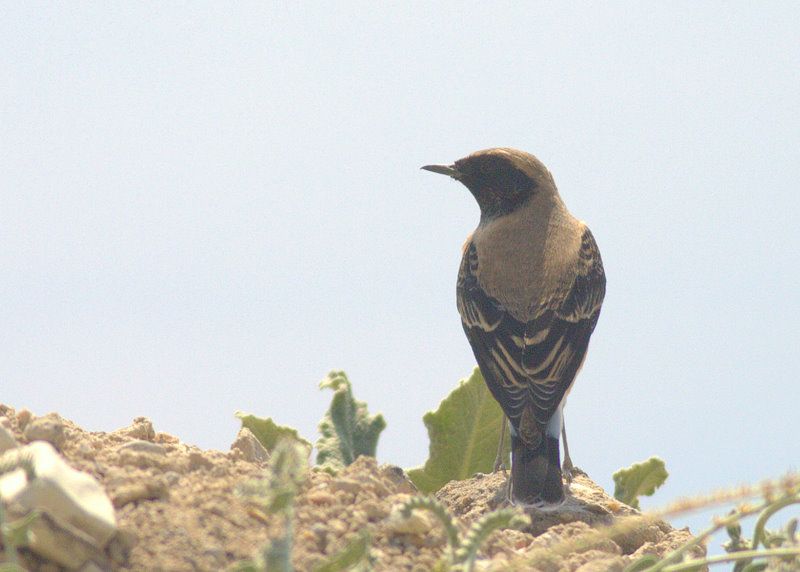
[(532, 364)]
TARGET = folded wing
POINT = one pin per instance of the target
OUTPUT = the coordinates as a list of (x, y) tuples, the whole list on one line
[(531, 364)]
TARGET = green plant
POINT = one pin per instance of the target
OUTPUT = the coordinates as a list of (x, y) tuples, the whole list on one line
[(464, 432), (639, 479), (275, 495), (781, 548), (15, 534), (462, 553), (354, 556), (347, 430)]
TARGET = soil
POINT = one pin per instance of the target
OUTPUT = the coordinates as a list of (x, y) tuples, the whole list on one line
[(177, 509)]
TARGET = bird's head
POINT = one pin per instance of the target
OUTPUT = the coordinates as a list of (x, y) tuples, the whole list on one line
[(500, 179)]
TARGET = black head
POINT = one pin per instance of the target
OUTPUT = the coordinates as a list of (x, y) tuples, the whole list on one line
[(501, 180)]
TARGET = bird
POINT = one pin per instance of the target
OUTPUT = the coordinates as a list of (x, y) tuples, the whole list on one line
[(530, 288)]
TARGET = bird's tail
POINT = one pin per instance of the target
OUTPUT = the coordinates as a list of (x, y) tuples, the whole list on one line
[(536, 472)]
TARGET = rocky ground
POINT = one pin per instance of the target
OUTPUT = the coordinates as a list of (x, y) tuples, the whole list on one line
[(175, 508)]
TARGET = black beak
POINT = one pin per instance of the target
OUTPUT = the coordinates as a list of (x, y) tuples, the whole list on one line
[(448, 170)]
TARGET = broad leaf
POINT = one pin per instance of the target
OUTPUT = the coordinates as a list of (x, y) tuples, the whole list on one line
[(639, 479), (347, 430), (464, 433)]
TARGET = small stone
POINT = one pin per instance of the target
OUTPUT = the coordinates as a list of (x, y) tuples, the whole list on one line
[(250, 446), (199, 461), (86, 450), (320, 498), (216, 553), (7, 440), (337, 527), (346, 485), (417, 524), (375, 510), (62, 495), (379, 488), (120, 546), (140, 446), (141, 428), (23, 418), (49, 428), (321, 535), (140, 490), (166, 439), (128, 457)]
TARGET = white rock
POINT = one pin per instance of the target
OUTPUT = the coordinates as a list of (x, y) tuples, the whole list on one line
[(59, 490), (61, 543), (140, 446), (7, 440)]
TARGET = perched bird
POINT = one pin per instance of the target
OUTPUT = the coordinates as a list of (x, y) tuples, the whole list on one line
[(530, 288)]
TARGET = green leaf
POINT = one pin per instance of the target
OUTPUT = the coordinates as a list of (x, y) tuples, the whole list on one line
[(347, 430), (269, 433), (354, 554), (643, 563), (639, 479), (464, 433), (245, 566)]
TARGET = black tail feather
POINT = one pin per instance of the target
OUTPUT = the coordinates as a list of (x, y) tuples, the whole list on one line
[(536, 473)]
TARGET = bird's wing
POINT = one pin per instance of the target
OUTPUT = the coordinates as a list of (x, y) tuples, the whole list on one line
[(531, 364)]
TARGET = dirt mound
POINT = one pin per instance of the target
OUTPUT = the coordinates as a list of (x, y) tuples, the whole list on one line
[(176, 509)]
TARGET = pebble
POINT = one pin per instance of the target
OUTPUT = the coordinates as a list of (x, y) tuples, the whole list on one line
[(337, 527), (141, 428), (166, 438), (417, 524), (320, 497), (346, 485), (140, 490), (7, 440), (375, 510), (140, 446), (49, 428), (199, 461), (23, 418)]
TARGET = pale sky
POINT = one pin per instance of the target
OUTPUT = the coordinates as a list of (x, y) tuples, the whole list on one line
[(206, 207)]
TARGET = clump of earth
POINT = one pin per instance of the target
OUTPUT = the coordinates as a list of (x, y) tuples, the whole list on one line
[(176, 508)]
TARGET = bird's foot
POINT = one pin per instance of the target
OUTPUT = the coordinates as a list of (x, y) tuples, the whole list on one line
[(569, 471)]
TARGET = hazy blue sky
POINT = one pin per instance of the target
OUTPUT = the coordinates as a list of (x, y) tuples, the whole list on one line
[(205, 207)]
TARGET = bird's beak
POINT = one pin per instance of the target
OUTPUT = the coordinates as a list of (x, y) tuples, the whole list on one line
[(448, 170)]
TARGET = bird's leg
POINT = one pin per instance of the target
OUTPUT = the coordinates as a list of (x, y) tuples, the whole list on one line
[(498, 460), (567, 466)]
